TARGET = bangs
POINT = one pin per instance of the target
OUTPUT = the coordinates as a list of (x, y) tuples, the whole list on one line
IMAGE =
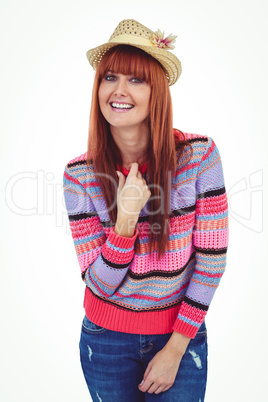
[(129, 60)]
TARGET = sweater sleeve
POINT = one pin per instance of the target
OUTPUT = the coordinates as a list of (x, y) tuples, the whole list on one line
[(103, 261), (210, 241)]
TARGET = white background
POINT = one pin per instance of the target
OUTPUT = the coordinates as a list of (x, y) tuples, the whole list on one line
[(46, 84)]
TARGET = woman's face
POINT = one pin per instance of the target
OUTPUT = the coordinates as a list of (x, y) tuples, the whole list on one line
[(124, 100)]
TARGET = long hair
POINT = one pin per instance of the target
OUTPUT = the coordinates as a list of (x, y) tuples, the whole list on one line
[(164, 149)]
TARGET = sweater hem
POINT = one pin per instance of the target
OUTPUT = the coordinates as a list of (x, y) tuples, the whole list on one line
[(114, 318)]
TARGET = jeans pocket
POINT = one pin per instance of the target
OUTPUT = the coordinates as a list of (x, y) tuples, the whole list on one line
[(91, 328)]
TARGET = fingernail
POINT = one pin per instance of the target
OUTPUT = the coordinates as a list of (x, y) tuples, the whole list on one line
[(141, 383), (118, 173)]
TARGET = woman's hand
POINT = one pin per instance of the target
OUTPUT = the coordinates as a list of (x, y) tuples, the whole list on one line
[(162, 369), (132, 193), (161, 372)]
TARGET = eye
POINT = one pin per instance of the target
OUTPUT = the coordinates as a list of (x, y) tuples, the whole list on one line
[(110, 77), (137, 80)]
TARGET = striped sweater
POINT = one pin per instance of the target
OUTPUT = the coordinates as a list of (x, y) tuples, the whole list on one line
[(137, 293)]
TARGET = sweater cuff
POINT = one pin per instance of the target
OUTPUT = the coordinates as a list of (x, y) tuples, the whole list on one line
[(185, 328), (122, 241), (118, 251)]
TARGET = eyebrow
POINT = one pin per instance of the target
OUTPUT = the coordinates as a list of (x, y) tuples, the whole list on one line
[(113, 72)]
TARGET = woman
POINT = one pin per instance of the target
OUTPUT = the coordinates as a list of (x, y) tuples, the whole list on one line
[(148, 213)]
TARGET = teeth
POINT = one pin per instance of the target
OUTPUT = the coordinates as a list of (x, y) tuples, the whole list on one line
[(121, 105)]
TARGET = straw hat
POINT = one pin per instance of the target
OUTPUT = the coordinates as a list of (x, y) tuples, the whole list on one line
[(131, 32)]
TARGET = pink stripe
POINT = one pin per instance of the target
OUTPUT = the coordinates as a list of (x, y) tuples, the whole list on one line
[(86, 227), (212, 239), (212, 205), (87, 259), (91, 184), (79, 158), (191, 312), (168, 261)]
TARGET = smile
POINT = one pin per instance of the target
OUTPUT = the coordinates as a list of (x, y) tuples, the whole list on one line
[(121, 105)]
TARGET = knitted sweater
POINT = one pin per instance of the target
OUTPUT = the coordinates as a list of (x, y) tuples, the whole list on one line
[(137, 293)]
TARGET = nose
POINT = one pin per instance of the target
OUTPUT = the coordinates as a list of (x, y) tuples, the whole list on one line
[(121, 87)]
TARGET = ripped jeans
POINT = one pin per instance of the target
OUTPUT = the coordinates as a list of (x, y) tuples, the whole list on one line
[(113, 364)]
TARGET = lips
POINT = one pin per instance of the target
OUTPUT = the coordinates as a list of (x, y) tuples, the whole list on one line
[(121, 106)]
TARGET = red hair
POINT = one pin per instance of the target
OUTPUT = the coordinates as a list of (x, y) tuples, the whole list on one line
[(164, 148)]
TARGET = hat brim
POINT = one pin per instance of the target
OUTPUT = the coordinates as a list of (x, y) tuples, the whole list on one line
[(170, 63)]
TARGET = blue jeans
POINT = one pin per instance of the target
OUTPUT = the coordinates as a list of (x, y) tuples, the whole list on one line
[(113, 364)]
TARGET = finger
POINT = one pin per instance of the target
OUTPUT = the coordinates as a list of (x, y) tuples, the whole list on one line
[(145, 385), (121, 181), (166, 388), (134, 169), (153, 388), (159, 389), (146, 382), (139, 176), (147, 371)]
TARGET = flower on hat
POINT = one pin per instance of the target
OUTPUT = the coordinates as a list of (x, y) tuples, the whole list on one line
[(158, 40)]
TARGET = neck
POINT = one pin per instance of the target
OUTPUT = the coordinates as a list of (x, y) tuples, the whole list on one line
[(133, 144)]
